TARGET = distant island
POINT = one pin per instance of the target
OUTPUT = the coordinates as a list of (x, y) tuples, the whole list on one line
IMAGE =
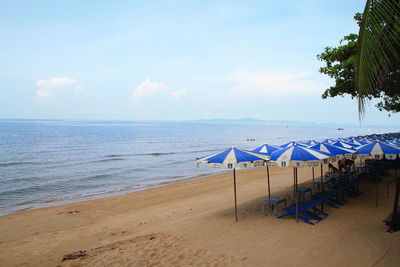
[(250, 120)]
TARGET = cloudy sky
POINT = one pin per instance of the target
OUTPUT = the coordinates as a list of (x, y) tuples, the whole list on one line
[(173, 60)]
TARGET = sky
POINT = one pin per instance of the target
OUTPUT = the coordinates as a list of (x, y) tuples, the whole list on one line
[(174, 60)]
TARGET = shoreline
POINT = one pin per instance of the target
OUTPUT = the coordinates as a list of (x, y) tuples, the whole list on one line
[(192, 223), (101, 195)]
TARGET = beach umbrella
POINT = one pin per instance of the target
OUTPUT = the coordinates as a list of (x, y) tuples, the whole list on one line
[(356, 142), (231, 159), (310, 143), (378, 150), (341, 143), (298, 156), (292, 143), (267, 150), (394, 142), (328, 141), (339, 152), (289, 144)]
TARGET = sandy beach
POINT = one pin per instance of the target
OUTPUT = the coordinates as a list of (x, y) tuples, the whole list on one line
[(192, 224)]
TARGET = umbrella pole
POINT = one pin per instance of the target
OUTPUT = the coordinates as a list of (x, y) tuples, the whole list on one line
[(313, 180), (269, 187), (294, 178), (234, 189), (376, 194), (297, 199), (376, 187), (322, 186)]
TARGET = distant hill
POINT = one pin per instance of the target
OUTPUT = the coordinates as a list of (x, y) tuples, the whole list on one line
[(250, 120)]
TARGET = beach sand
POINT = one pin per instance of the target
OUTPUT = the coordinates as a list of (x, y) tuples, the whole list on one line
[(192, 223)]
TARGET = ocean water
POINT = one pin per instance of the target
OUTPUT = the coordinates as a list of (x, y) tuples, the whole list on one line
[(45, 163)]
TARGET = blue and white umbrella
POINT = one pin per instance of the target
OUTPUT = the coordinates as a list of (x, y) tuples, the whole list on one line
[(310, 143), (356, 142), (340, 143), (393, 142), (232, 158), (378, 150), (297, 156), (266, 149), (291, 143), (328, 141), (339, 152)]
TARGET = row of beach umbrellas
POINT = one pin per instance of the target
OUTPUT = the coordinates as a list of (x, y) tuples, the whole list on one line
[(300, 153)]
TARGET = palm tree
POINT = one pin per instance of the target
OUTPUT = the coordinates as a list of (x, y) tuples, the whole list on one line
[(377, 70)]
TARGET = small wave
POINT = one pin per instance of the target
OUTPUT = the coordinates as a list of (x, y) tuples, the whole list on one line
[(156, 154), (177, 162), (176, 177), (5, 164), (21, 191), (91, 194), (203, 151), (133, 170), (96, 177), (115, 155), (20, 179), (105, 160)]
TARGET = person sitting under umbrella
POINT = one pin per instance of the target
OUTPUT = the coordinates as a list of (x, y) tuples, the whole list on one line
[(345, 164), (332, 170)]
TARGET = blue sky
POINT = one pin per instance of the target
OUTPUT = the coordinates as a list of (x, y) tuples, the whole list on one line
[(173, 60)]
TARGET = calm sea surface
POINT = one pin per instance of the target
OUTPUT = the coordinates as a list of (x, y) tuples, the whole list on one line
[(45, 163)]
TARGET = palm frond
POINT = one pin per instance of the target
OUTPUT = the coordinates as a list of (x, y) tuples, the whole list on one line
[(378, 49)]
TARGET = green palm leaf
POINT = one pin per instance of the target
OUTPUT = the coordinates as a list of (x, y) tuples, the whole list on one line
[(377, 61)]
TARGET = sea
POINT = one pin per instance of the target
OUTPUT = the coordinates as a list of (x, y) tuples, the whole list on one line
[(52, 162)]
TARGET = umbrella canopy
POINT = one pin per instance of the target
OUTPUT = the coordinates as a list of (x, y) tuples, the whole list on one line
[(266, 149), (339, 152), (292, 143), (393, 142), (356, 142), (232, 158), (310, 143), (298, 155), (328, 141), (340, 143), (378, 150)]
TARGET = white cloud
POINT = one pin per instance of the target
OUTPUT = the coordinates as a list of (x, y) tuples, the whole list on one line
[(43, 95), (50, 88), (274, 84), (147, 88), (55, 82), (155, 89)]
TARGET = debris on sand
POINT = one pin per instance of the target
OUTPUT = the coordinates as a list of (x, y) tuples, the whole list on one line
[(74, 255)]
